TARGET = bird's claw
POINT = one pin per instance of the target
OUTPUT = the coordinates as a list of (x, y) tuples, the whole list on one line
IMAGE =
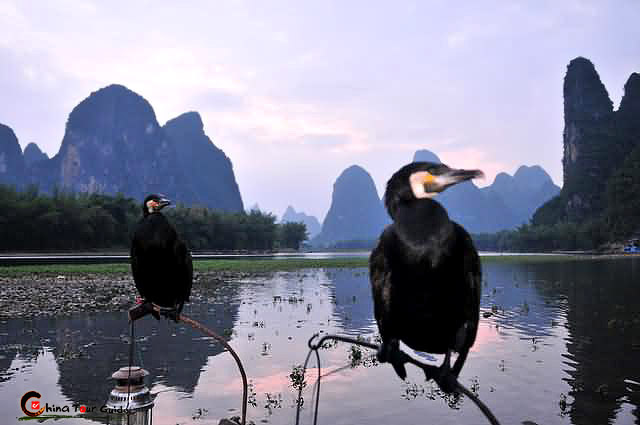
[(141, 310), (446, 379), (155, 314), (390, 352), (172, 314)]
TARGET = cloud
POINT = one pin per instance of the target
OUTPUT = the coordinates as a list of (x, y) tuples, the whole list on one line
[(219, 99), (324, 140), (308, 90)]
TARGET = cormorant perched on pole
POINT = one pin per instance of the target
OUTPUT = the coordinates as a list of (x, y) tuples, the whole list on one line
[(425, 272), (160, 261)]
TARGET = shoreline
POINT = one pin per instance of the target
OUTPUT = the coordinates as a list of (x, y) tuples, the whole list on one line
[(28, 292), (32, 295), (274, 264)]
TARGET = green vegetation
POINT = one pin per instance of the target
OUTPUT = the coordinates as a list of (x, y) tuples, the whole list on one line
[(240, 265), (247, 265), (545, 238), (291, 235), (623, 198), (616, 220), (31, 221)]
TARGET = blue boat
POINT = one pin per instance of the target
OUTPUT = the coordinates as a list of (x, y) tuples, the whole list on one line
[(633, 247)]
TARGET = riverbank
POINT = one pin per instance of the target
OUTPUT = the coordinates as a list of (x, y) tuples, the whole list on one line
[(260, 265), (64, 289), (32, 295), (33, 291), (275, 263), (245, 265)]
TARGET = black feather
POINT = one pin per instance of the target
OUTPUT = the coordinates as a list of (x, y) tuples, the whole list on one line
[(161, 262), (425, 274)]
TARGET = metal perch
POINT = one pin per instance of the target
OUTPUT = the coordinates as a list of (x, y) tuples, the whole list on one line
[(147, 308), (430, 371)]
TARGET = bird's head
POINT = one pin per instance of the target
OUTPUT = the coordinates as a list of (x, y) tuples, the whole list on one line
[(420, 180), (154, 203)]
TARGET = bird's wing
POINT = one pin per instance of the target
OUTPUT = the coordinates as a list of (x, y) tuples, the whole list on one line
[(183, 255), (380, 276), (136, 268), (473, 271)]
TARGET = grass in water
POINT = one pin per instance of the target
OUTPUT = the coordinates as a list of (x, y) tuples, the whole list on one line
[(266, 265)]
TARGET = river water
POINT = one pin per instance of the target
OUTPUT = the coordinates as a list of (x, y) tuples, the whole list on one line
[(561, 346)]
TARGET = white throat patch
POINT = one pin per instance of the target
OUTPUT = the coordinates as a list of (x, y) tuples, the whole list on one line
[(151, 206), (417, 182)]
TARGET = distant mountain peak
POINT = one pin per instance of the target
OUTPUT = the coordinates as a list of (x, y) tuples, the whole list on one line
[(11, 159), (189, 120), (533, 175), (312, 223), (501, 179), (356, 212), (354, 170), (113, 107), (33, 154), (585, 96), (210, 170), (630, 103), (114, 144), (424, 155)]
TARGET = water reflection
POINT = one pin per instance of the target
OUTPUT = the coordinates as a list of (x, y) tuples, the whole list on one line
[(351, 294), (88, 349), (558, 343)]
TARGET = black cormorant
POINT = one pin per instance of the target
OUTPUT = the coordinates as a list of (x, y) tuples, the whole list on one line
[(160, 261), (425, 272)]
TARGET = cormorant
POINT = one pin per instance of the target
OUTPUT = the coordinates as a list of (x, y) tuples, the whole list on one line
[(160, 261), (425, 272)]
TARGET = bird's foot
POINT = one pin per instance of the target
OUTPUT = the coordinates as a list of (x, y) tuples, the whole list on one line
[(155, 314), (142, 309), (173, 314), (390, 352), (445, 377)]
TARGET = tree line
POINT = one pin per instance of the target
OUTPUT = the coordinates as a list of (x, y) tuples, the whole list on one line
[(543, 238), (33, 221), (615, 219)]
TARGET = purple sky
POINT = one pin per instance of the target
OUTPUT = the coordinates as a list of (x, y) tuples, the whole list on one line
[(294, 92)]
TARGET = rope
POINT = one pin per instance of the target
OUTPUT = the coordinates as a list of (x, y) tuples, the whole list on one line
[(430, 371), (317, 386)]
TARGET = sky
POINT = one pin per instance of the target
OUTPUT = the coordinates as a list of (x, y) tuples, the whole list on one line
[(296, 91)]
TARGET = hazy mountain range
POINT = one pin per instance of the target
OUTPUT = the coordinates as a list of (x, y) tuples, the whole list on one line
[(292, 216), (601, 162), (114, 144), (357, 212)]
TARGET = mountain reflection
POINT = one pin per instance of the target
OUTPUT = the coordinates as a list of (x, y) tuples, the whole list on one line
[(88, 349), (596, 300), (603, 319), (558, 343), (351, 293)]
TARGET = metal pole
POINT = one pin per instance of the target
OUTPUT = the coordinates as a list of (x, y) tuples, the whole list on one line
[(199, 326)]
